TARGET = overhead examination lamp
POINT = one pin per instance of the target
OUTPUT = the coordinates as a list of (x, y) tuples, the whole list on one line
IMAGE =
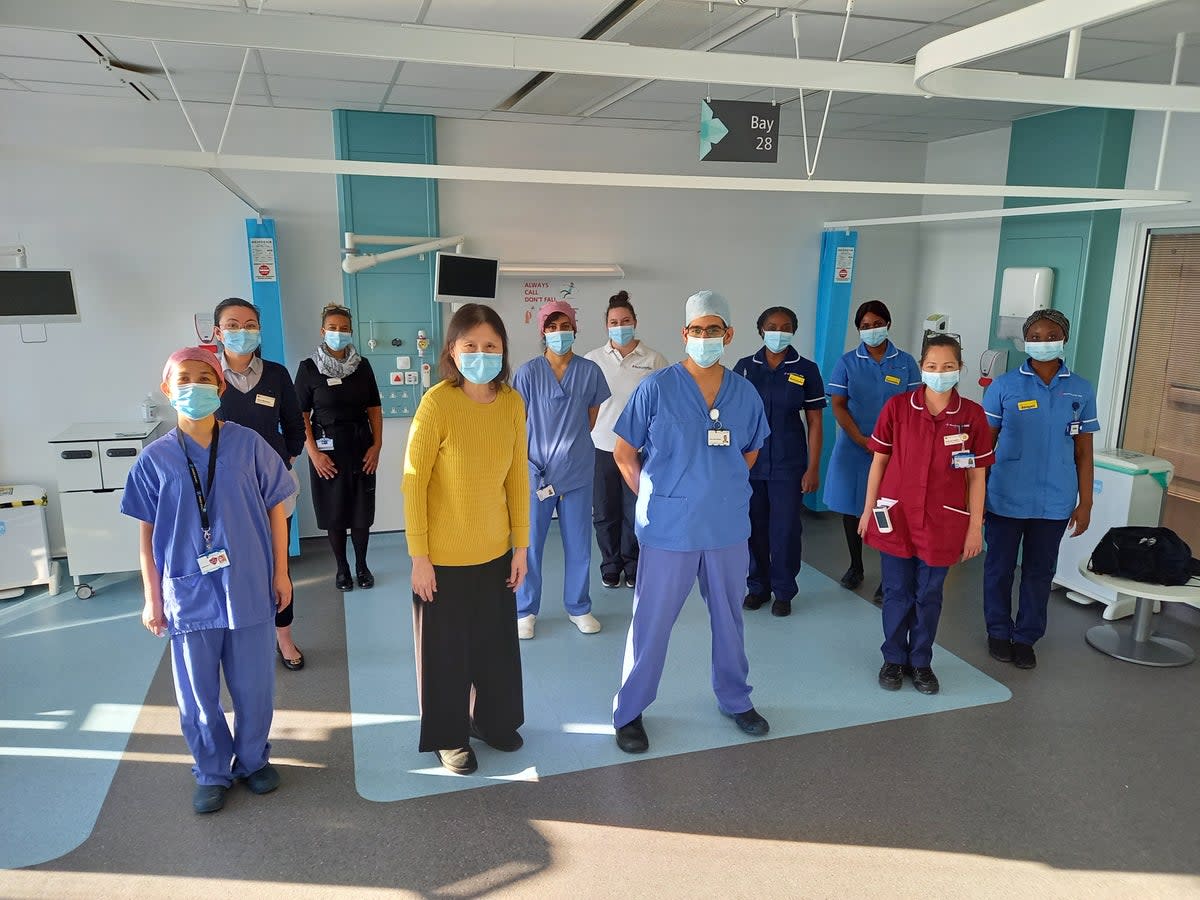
[(355, 262)]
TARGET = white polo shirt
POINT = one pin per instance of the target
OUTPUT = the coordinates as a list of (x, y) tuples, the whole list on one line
[(623, 375)]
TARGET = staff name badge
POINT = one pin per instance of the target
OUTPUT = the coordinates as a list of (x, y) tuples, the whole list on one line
[(951, 440), (545, 493), (1075, 428), (333, 382), (1027, 404), (717, 436), (264, 400), (213, 561), (796, 379), (325, 444), (892, 379), (963, 459)]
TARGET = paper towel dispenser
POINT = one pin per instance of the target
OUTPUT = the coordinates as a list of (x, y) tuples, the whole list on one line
[(1022, 290)]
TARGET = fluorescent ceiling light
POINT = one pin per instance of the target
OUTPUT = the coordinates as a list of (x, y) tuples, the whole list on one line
[(576, 270)]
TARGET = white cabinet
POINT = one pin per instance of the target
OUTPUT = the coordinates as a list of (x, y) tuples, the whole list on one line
[(92, 461)]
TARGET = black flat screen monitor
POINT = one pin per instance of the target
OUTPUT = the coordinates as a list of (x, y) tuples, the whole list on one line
[(37, 297), (465, 279)]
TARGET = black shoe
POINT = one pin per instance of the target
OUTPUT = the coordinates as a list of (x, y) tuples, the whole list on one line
[(1023, 656), (852, 579), (365, 579), (611, 580), (506, 744), (459, 760), (264, 780), (1001, 649), (631, 737), (751, 722), (294, 664), (208, 798), (924, 680), (781, 608), (877, 597), (343, 581), (630, 581), (755, 601), (891, 676)]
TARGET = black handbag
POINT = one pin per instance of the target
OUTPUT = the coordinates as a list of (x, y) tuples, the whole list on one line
[(1144, 553)]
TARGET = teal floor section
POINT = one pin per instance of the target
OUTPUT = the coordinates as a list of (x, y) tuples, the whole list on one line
[(814, 671), (66, 712)]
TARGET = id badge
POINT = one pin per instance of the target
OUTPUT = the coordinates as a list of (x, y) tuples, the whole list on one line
[(1075, 429), (718, 437), (951, 440), (213, 561), (963, 459), (264, 400), (333, 382), (325, 444), (545, 493)]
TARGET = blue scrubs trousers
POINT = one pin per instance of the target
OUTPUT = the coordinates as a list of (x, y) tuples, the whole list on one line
[(575, 525), (1037, 541), (664, 580), (247, 656), (776, 532), (912, 606)]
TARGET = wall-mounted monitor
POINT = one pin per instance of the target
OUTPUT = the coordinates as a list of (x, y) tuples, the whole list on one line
[(465, 279), (37, 297)]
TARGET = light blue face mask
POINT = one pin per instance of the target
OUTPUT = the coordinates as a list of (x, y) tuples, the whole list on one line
[(560, 341), (777, 341), (621, 335), (241, 340), (480, 368), (1044, 351), (705, 351), (940, 382), (338, 340), (873, 337), (196, 401)]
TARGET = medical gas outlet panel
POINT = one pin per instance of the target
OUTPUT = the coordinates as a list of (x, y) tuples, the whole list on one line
[(402, 357)]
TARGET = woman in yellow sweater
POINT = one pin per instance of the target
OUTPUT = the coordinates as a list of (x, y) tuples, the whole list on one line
[(466, 505)]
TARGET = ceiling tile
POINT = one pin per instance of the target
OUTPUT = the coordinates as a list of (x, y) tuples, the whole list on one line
[(324, 89), (983, 12), (531, 118), (568, 95), (912, 10), (819, 36), (635, 108), (86, 90), (382, 10), (178, 57), (463, 77), (440, 111), (321, 65), (419, 95), (56, 70), (1154, 69), (1159, 24), (884, 105), (1049, 57), (548, 17), (905, 47), (196, 84), (44, 44), (691, 92)]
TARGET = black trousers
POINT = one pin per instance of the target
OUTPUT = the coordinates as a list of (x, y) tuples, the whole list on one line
[(468, 657), (612, 515)]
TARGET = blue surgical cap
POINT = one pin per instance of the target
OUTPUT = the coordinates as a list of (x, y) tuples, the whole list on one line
[(705, 303)]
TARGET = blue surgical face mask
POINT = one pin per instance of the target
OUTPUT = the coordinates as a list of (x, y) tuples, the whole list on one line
[(621, 335), (777, 341), (338, 340), (940, 382), (1044, 351), (196, 401), (241, 340), (480, 368), (560, 341), (705, 351), (873, 337)]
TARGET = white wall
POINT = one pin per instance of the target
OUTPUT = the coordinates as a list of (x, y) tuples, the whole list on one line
[(1180, 173), (150, 246), (958, 259)]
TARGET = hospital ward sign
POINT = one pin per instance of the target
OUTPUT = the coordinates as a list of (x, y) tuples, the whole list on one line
[(737, 131)]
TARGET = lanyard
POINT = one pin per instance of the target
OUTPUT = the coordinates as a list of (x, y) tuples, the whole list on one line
[(201, 493)]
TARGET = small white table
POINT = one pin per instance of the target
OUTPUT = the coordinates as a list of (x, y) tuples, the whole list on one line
[(1136, 642)]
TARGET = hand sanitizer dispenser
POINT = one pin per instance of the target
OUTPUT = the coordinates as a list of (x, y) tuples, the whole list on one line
[(1022, 290)]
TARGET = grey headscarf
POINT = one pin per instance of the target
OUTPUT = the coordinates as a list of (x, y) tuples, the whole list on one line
[(1050, 315), (331, 366)]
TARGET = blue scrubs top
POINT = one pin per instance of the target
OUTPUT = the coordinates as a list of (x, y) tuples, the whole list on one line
[(250, 479), (787, 393), (561, 452), (1034, 476), (692, 496), (867, 385)]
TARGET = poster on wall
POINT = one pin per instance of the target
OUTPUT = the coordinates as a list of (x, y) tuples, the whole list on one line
[(536, 293), (262, 259)]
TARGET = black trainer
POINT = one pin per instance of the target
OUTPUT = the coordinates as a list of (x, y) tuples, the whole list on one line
[(631, 737), (781, 608), (751, 722), (852, 579), (208, 798), (343, 581), (1023, 656), (755, 601), (1001, 649), (924, 680), (891, 676), (630, 581), (611, 580)]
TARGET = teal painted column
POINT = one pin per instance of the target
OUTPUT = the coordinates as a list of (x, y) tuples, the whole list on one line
[(392, 301), (1086, 148)]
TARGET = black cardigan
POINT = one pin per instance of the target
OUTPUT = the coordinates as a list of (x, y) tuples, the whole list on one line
[(280, 423)]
